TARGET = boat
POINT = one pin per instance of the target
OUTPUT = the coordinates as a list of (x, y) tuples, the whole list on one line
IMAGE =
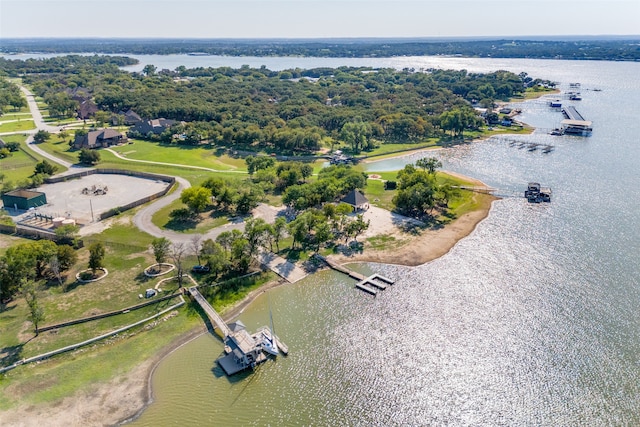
[(536, 194), (269, 343), (556, 132), (556, 103), (575, 97)]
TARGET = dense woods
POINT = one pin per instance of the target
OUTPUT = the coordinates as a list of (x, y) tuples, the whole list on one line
[(287, 111)]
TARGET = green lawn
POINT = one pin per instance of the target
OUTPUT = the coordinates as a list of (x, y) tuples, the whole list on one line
[(18, 126), (208, 220), (384, 149), (202, 156), (15, 116), (21, 163), (58, 121)]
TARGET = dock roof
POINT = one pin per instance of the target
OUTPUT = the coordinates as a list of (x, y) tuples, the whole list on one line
[(568, 122), (243, 341)]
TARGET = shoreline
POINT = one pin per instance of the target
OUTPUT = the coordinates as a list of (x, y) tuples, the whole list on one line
[(127, 396)]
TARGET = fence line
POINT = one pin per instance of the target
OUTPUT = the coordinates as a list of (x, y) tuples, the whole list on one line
[(89, 341), (105, 315)]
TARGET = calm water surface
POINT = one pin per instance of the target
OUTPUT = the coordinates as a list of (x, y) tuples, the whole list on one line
[(531, 320)]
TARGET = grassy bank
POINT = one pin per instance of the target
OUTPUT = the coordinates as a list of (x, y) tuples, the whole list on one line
[(127, 255), (20, 165)]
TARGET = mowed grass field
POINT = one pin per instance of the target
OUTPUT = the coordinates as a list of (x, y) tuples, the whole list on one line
[(203, 156), (20, 165), (17, 126)]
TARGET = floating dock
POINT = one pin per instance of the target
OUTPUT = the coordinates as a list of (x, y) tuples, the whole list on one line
[(372, 284)]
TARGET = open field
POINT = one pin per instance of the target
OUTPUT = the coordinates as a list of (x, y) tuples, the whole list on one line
[(208, 221), (203, 156), (15, 116), (20, 165), (18, 126)]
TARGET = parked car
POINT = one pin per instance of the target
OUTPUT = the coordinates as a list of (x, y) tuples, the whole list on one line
[(200, 269), (150, 293)]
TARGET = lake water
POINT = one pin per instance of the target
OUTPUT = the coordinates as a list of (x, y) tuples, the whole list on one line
[(531, 320)]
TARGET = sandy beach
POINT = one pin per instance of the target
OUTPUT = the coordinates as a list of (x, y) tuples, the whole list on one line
[(126, 396)]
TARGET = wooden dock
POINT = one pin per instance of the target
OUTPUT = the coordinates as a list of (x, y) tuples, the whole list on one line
[(215, 318), (281, 346), (372, 284)]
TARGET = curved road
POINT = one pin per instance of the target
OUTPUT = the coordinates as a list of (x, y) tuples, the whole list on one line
[(143, 219)]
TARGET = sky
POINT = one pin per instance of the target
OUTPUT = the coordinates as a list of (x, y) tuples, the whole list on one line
[(316, 18)]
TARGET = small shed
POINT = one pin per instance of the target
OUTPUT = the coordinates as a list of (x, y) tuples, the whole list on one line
[(23, 199), (356, 199)]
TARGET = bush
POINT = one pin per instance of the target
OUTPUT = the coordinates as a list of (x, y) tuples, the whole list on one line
[(86, 275), (390, 185)]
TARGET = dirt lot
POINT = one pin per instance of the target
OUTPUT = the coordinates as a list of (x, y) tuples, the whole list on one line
[(67, 199)]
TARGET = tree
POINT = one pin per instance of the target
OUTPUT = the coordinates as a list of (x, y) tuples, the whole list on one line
[(45, 168), (101, 117), (66, 257), (160, 247), (96, 257), (356, 227), (67, 234), (42, 251), (255, 230), (322, 234), (41, 136), (214, 256), (195, 243), (429, 164), (196, 198), (177, 252), (259, 163), (54, 267), (240, 255), (89, 157), (357, 135), (149, 70), (36, 313), (277, 231), (247, 201)]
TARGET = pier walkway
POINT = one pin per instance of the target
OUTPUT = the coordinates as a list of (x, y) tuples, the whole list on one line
[(571, 113), (211, 313), (372, 284)]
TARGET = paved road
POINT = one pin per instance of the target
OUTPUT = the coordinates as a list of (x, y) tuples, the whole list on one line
[(142, 219), (41, 125)]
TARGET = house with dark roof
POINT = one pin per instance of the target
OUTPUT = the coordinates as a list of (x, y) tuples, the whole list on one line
[(99, 138), (86, 109), (356, 199), (155, 126), (130, 118)]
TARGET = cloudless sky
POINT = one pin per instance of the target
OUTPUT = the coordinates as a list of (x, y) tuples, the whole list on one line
[(316, 18)]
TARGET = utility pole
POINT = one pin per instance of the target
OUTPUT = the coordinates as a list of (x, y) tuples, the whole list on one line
[(91, 205)]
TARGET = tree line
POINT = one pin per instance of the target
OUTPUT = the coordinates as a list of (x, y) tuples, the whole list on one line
[(621, 49)]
